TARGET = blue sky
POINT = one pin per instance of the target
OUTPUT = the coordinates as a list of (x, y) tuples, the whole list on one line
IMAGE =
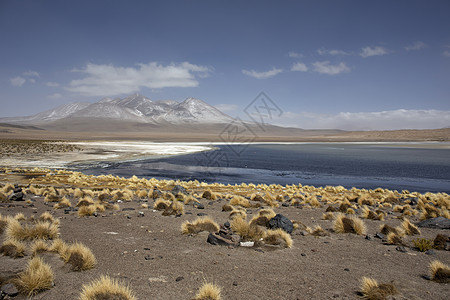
[(326, 64)]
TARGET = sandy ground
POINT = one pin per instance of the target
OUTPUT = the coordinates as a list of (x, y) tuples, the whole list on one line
[(150, 254)]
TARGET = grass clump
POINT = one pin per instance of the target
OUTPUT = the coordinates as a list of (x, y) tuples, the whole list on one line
[(371, 290), (278, 237), (106, 288), (199, 225), (352, 224), (240, 201), (80, 257), (175, 208), (161, 204), (409, 228), (440, 242), (37, 277), (39, 246), (248, 232), (85, 211), (13, 249), (423, 244), (439, 272), (208, 291)]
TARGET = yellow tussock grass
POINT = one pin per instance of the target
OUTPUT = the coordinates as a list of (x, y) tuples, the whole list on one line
[(20, 217), (106, 288), (208, 291), (248, 232), (278, 237), (409, 228), (394, 239), (13, 248), (227, 207), (317, 231), (371, 290), (352, 224), (175, 208), (144, 205), (39, 246), (238, 212), (62, 204), (37, 277), (60, 247), (85, 211), (240, 201), (367, 213), (161, 204), (198, 225), (189, 199), (439, 272), (79, 257)]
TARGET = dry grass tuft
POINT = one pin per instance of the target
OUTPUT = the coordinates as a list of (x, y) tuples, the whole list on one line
[(62, 204), (161, 204), (371, 290), (423, 244), (20, 217), (39, 246), (248, 232), (409, 228), (199, 225), (80, 257), (106, 288), (85, 211), (227, 207), (278, 237), (60, 247), (209, 195), (394, 239), (328, 216), (13, 249), (240, 201), (175, 208), (317, 231), (238, 212), (352, 224), (208, 291), (367, 213), (37, 277), (439, 272), (440, 242)]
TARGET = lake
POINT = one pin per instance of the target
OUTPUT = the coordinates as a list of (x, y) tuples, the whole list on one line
[(418, 167)]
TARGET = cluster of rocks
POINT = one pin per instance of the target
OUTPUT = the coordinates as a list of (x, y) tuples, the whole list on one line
[(8, 291)]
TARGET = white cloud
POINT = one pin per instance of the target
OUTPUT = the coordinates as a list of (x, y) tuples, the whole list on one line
[(55, 96), (262, 75), (324, 67), (299, 67), (323, 51), (373, 51), (17, 81), (226, 107), (109, 80), (52, 84), (383, 120), (446, 53), (295, 54), (416, 46), (31, 74)]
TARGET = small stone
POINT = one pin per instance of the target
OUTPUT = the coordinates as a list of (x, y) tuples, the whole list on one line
[(368, 237), (95, 214), (235, 283), (179, 278), (9, 289), (199, 205), (146, 248), (379, 235), (346, 269), (141, 214), (227, 224), (401, 249), (285, 204), (259, 250), (128, 217), (148, 257), (427, 277), (128, 208), (201, 214), (303, 254), (430, 252)]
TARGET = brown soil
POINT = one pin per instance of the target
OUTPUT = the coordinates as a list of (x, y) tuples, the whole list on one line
[(151, 255)]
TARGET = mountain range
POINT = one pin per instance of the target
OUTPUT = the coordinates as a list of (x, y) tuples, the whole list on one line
[(135, 108)]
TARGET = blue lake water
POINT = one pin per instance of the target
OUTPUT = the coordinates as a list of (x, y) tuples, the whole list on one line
[(415, 167)]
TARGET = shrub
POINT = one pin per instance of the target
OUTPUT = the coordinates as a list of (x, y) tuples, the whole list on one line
[(106, 288), (278, 237), (439, 272), (37, 277), (199, 225), (353, 224), (80, 257), (13, 248), (208, 291), (423, 244), (371, 290), (409, 228)]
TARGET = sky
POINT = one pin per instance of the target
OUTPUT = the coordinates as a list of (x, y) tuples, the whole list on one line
[(325, 64)]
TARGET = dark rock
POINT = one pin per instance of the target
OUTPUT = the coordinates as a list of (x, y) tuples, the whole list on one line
[(235, 283), (156, 193), (280, 221), (427, 277), (439, 223), (17, 197), (146, 248), (401, 249), (216, 239), (179, 278), (128, 217), (9, 289), (285, 204), (368, 237), (430, 252), (201, 214), (227, 224), (347, 269), (17, 189), (303, 254), (413, 201), (178, 189), (148, 257), (128, 208), (188, 213), (259, 250), (198, 205), (379, 235), (95, 214), (67, 211)]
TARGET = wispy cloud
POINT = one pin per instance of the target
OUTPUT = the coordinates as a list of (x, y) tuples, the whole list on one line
[(55, 96), (52, 84), (295, 54), (31, 74), (323, 51), (227, 107), (446, 52), (373, 51), (262, 75), (109, 80), (324, 67), (299, 67), (17, 81), (416, 46), (383, 120)]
